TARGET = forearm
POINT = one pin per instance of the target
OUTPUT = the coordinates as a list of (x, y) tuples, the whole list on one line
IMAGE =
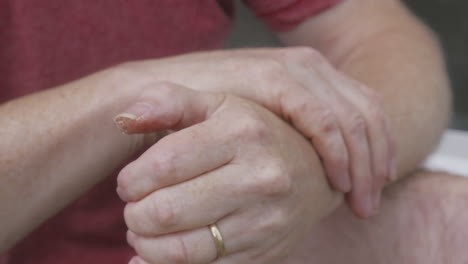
[(404, 64), (395, 55), (55, 145)]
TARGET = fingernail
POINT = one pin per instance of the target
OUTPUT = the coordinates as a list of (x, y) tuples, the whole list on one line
[(136, 111), (132, 114)]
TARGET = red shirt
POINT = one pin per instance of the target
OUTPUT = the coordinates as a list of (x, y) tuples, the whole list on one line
[(45, 43)]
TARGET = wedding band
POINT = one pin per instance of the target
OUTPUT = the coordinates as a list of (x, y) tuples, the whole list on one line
[(218, 240)]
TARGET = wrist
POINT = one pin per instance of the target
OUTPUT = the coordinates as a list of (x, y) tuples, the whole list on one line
[(114, 90)]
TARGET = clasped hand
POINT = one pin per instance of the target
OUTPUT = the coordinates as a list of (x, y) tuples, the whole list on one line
[(233, 163), (343, 119)]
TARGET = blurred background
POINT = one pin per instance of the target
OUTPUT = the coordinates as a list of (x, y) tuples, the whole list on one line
[(446, 17)]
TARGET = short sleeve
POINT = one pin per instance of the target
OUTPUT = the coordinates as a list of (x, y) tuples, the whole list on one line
[(283, 15)]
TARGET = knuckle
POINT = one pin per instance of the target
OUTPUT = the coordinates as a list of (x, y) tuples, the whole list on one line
[(177, 253), (274, 180), (252, 128), (326, 122), (357, 125), (164, 166), (163, 213)]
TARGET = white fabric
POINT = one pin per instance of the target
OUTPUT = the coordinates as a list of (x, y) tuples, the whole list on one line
[(452, 153)]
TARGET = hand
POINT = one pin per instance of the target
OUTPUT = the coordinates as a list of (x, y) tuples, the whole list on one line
[(343, 118), (231, 163)]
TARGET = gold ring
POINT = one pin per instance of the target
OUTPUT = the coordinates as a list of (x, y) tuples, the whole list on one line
[(219, 242)]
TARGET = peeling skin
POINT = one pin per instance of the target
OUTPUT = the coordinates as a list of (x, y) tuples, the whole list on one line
[(125, 121), (127, 115), (131, 124)]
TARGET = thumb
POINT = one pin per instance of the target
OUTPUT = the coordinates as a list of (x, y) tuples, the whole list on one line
[(168, 106)]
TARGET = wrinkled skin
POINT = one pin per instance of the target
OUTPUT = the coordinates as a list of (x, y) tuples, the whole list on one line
[(232, 163), (343, 118)]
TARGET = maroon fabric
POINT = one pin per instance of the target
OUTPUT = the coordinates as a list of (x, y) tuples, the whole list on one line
[(286, 14), (45, 43)]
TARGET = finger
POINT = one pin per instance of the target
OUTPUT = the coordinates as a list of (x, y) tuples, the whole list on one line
[(188, 205), (384, 175), (353, 127), (311, 115), (392, 174), (195, 246), (168, 106), (378, 140), (354, 130), (176, 158), (362, 201)]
